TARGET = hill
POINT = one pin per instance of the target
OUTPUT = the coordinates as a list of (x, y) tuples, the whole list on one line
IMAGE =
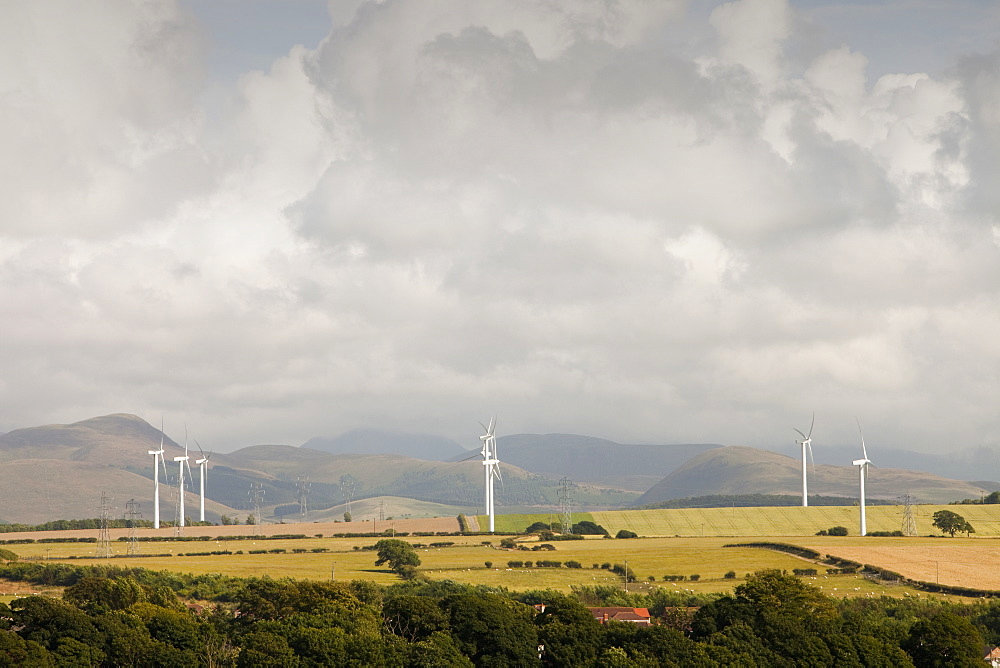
[(595, 460), (119, 440), (382, 442), (448, 483), (741, 470)]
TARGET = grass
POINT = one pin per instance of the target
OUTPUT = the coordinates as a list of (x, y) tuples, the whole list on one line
[(769, 521), (465, 561), (675, 547)]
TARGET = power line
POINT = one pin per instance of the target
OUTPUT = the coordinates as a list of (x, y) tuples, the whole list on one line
[(104, 541), (565, 506), (256, 495), (303, 487), (131, 515), (909, 523)]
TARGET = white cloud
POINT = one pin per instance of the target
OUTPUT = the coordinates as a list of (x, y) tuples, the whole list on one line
[(551, 212)]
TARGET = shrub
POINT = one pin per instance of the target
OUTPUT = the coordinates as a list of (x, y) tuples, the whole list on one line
[(837, 531), (730, 575), (508, 543), (515, 564), (488, 564), (574, 564), (804, 571), (589, 528), (606, 566), (694, 578), (625, 533), (527, 564)]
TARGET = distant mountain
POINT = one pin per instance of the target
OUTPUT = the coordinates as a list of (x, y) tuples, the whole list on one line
[(740, 470), (118, 440), (967, 464), (59, 471), (382, 442), (449, 483), (595, 460)]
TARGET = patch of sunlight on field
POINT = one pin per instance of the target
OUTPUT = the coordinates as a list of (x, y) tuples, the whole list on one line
[(785, 520), (518, 522), (465, 561)]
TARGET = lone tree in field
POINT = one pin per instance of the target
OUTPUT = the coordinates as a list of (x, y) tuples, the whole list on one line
[(949, 522), (399, 554)]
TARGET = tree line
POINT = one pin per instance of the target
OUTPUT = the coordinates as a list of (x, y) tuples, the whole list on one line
[(133, 617)]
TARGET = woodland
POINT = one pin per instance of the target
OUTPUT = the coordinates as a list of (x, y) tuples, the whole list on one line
[(111, 616)]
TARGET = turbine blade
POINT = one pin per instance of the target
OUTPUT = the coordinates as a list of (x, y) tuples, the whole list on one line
[(801, 434), (864, 451), (809, 448), (467, 458), (199, 448), (811, 425), (161, 432)]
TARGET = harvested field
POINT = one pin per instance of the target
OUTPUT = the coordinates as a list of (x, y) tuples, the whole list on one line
[(966, 562), (448, 524)]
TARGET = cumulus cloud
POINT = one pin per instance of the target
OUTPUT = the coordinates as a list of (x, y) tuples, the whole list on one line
[(557, 213)]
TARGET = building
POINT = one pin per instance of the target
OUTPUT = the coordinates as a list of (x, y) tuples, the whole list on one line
[(638, 616)]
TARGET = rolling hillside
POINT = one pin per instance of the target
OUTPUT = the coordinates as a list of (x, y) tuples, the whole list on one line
[(740, 470), (382, 442), (595, 460), (449, 483)]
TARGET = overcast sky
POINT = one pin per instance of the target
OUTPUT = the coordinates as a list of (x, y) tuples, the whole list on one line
[(648, 221)]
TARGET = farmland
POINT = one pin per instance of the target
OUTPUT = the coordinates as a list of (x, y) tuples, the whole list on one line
[(464, 561), (770, 521), (681, 542)]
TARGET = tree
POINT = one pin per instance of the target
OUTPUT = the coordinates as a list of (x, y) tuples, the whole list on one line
[(347, 517), (397, 553), (949, 522), (588, 528), (945, 639)]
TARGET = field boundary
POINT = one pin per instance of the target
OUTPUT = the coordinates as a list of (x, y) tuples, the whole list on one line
[(871, 571)]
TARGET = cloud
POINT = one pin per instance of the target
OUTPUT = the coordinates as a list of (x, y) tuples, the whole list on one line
[(552, 212)]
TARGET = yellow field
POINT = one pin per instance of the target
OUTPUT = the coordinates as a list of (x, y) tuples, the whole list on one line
[(464, 562), (681, 542), (785, 520), (956, 561)]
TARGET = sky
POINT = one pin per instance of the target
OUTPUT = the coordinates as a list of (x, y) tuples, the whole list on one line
[(654, 222)]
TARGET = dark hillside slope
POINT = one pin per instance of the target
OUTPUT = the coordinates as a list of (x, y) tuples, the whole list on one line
[(595, 460), (381, 442), (741, 470)]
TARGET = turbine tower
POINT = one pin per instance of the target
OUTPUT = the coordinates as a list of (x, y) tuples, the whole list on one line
[(203, 471), (157, 455), (806, 444), (490, 466), (181, 463), (862, 465)]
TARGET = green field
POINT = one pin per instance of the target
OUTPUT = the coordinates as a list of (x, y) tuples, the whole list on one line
[(465, 561), (769, 521), (678, 542)]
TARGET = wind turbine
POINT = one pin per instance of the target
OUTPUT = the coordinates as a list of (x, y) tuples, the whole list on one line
[(181, 463), (806, 444), (203, 470), (158, 455), (490, 466), (862, 465)]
